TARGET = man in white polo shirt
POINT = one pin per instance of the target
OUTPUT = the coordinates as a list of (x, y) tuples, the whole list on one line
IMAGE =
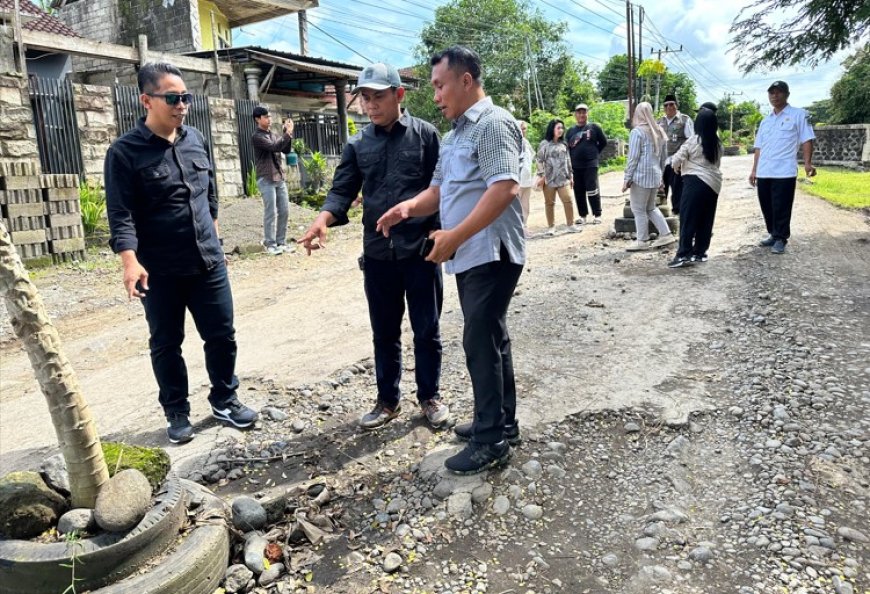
[(774, 170)]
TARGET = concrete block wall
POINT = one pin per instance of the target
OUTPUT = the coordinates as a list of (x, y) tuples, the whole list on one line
[(844, 145)]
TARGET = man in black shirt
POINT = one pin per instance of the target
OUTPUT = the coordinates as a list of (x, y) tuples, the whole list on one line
[(162, 211), (391, 160), (585, 143)]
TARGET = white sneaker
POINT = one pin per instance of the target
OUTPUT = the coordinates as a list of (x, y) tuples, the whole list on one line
[(580, 221), (664, 240), (596, 221), (287, 249), (575, 228), (550, 231), (274, 250), (638, 246)]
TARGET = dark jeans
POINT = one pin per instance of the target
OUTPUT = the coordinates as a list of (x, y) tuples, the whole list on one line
[(776, 197), (697, 214), (210, 301), (673, 181), (388, 283), (485, 293), (586, 186)]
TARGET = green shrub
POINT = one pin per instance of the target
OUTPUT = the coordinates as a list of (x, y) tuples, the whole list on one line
[(92, 197), (251, 189), (152, 462), (317, 170), (616, 163), (299, 146)]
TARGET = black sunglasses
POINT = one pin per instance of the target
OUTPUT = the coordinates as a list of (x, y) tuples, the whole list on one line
[(174, 98)]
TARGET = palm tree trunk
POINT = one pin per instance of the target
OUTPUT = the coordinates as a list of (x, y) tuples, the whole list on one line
[(76, 431)]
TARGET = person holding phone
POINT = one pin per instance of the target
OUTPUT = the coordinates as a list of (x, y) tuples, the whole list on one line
[(271, 181), (390, 160), (163, 217), (774, 169)]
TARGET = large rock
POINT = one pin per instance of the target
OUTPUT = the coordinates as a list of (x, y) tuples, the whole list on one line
[(53, 472), (28, 507), (123, 501), (248, 514)]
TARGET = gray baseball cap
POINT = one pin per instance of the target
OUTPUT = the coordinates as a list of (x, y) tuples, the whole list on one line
[(378, 77)]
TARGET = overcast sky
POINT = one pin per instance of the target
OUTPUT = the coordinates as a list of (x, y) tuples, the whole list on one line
[(387, 30)]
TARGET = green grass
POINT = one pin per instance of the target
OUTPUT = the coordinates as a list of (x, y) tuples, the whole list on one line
[(842, 187), (612, 164)]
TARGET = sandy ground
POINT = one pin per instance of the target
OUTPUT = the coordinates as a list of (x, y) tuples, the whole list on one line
[(617, 338)]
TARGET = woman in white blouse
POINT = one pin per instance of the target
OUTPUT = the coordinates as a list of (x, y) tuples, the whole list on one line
[(556, 176), (647, 151), (698, 162)]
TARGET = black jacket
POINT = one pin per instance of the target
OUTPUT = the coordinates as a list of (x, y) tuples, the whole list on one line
[(585, 143), (268, 147), (389, 167), (161, 201)]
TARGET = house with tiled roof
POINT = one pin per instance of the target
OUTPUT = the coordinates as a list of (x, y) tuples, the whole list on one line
[(39, 62)]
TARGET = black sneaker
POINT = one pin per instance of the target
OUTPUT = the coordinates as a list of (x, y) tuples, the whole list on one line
[(679, 262), (767, 241), (778, 247), (511, 433), (701, 258), (477, 457), (178, 428), (235, 413)]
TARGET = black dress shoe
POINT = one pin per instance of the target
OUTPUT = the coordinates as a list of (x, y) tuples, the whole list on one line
[(767, 241), (511, 433), (477, 457)]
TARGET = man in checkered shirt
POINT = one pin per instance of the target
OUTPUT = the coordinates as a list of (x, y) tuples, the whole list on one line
[(475, 184)]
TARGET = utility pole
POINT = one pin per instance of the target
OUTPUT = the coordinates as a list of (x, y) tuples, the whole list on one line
[(638, 91), (630, 47), (660, 51), (302, 16), (731, 113)]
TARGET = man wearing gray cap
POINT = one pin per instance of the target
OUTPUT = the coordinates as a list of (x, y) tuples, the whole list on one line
[(391, 160), (774, 170), (585, 143)]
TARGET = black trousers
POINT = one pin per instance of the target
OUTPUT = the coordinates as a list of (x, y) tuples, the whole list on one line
[(776, 198), (673, 181), (388, 283), (485, 293), (210, 301), (586, 188), (697, 214)]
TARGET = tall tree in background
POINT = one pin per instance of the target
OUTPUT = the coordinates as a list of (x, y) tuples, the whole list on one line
[(813, 31), (502, 32), (850, 96), (681, 85), (613, 79)]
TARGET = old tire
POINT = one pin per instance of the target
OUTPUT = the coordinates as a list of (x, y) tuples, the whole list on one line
[(33, 568), (200, 561)]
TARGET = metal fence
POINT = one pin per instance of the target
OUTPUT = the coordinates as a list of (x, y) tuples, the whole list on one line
[(128, 110), (247, 126), (54, 119), (319, 131)]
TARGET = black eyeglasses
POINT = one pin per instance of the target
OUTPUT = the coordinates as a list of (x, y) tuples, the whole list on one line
[(174, 98)]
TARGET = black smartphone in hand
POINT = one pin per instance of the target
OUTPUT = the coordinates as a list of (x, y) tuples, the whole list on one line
[(426, 247)]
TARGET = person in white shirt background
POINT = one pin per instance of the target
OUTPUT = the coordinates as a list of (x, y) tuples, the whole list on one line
[(774, 169)]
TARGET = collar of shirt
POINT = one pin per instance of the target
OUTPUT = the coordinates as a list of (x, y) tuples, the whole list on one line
[(150, 136), (787, 108), (404, 121), (473, 113), (671, 120)]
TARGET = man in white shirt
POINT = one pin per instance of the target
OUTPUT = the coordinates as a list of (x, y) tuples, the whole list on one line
[(774, 170)]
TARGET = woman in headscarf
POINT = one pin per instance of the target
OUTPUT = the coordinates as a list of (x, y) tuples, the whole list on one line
[(698, 162), (526, 181), (556, 176), (647, 152)]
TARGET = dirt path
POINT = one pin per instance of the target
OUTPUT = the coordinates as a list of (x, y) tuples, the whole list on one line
[(299, 319)]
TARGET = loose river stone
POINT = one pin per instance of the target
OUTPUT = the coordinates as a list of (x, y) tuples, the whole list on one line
[(501, 505), (123, 501), (459, 505), (646, 544), (236, 578), (533, 469), (851, 534), (533, 512), (248, 514), (77, 520), (392, 562)]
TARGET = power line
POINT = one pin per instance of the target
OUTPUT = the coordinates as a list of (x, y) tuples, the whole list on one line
[(341, 42)]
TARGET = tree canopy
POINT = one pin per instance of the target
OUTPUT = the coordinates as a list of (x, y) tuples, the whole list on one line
[(613, 82), (506, 33), (850, 96), (812, 32)]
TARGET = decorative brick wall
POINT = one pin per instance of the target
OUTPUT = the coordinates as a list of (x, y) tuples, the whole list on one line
[(95, 114), (224, 134), (847, 146)]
